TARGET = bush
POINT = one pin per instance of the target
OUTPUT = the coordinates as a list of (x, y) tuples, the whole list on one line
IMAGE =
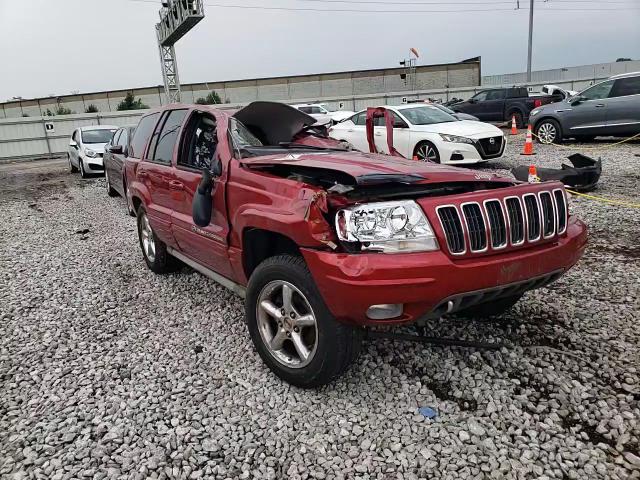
[(91, 108), (59, 110), (130, 103), (211, 99)]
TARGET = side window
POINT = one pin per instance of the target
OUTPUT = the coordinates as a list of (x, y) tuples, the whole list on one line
[(200, 142), (123, 139), (598, 92), (480, 97), (316, 110), (142, 134), (495, 95), (626, 86), (114, 139), (305, 109), (360, 118), (163, 151)]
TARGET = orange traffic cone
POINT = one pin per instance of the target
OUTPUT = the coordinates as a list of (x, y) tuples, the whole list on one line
[(528, 143), (514, 128), (533, 175)]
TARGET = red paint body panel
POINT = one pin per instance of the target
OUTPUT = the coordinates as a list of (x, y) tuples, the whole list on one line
[(247, 197), (350, 284)]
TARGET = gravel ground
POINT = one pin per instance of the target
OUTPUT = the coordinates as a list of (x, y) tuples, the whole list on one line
[(110, 371)]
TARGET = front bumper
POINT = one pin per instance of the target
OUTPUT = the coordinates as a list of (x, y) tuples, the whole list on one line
[(351, 283), (93, 164)]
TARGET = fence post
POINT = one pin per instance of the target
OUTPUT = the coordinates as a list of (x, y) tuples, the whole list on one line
[(98, 118), (46, 135)]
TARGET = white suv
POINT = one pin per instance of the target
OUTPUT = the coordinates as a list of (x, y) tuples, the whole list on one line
[(323, 116), (86, 148)]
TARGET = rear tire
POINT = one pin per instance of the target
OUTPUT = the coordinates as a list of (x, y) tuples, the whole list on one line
[(426, 152), (490, 309), (110, 191), (330, 345), (548, 131), (154, 250)]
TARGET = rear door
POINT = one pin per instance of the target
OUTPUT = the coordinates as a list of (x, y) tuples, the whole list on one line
[(590, 115), (156, 172), (203, 140), (623, 107), (492, 109)]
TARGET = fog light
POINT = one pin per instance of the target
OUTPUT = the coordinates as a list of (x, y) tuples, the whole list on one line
[(457, 155), (384, 311)]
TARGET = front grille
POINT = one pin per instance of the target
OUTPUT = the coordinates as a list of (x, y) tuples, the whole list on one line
[(497, 226), (488, 149), (450, 221), (498, 223), (561, 210), (516, 220), (475, 226), (533, 217), (548, 215)]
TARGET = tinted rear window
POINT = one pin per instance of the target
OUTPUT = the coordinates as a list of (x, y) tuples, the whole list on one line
[(142, 134), (626, 86)]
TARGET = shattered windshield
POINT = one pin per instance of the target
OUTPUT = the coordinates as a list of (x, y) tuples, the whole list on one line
[(242, 137)]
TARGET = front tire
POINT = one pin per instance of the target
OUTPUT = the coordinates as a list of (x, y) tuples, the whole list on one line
[(72, 169), (427, 152), (292, 328), (83, 173), (154, 250), (548, 131)]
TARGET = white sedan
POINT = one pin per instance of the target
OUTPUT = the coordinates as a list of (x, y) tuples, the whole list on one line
[(322, 114), (428, 133), (86, 148)]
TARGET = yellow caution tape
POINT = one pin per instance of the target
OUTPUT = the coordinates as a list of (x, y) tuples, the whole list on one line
[(604, 200), (599, 147)]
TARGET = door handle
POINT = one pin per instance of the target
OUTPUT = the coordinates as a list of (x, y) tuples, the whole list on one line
[(599, 105), (350, 130), (176, 185), (378, 134)]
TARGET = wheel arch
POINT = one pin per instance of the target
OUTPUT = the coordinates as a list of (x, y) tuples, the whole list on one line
[(258, 244)]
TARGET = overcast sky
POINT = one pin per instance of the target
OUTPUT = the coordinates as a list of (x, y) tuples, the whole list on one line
[(59, 46)]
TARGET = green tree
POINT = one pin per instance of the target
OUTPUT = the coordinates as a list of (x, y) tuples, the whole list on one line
[(211, 99), (131, 103), (91, 108)]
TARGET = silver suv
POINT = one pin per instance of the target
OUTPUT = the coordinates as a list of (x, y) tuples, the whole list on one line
[(610, 108)]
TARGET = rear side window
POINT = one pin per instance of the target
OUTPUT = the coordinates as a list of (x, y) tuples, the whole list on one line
[(517, 93), (626, 86), (305, 109), (142, 134), (360, 118), (163, 152), (495, 94)]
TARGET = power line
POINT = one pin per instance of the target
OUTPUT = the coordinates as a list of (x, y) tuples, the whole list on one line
[(481, 2)]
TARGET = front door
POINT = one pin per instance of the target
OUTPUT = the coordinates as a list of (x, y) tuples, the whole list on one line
[(157, 173), (590, 115), (400, 135), (199, 148)]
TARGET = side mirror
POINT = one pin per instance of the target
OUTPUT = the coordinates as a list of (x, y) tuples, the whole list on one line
[(73, 144), (202, 201), (472, 100), (576, 100), (116, 149)]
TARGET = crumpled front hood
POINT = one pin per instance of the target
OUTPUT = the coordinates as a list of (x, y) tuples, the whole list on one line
[(370, 169)]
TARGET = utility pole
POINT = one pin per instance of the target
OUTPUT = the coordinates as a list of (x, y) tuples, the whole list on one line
[(530, 40), (177, 17)]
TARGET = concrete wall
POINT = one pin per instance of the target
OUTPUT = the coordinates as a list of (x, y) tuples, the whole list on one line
[(592, 73), (287, 89)]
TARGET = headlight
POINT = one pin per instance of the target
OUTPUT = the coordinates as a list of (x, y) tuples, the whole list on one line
[(387, 227), (90, 153), (534, 112), (455, 139)]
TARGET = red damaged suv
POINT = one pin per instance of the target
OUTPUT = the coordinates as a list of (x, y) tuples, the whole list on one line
[(323, 242)]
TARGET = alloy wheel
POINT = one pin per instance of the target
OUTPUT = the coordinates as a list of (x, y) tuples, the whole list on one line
[(547, 133), (427, 152), (148, 242), (287, 324)]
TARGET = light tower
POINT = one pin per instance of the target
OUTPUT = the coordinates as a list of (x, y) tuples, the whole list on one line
[(177, 17)]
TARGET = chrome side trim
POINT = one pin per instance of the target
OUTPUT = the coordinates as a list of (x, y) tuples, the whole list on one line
[(216, 277), (588, 126)]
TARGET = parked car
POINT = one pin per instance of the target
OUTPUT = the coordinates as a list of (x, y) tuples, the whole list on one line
[(611, 107), (86, 148), (501, 104), (114, 155), (426, 132), (322, 114), (323, 242), (458, 115)]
